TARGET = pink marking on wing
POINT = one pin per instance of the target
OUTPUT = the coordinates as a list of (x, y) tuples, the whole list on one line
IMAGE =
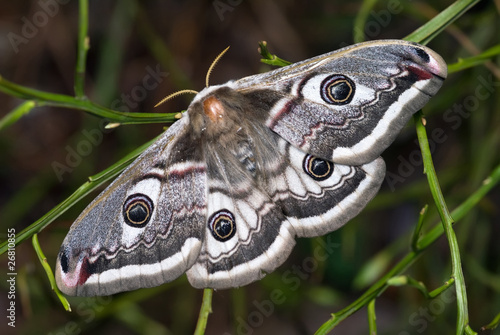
[(420, 73), (85, 272), (75, 278), (282, 113), (181, 173)]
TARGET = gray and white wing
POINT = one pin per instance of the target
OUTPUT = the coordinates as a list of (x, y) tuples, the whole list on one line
[(347, 106), (146, 228)]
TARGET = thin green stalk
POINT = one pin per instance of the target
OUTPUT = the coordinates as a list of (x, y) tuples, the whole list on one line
[(407, 280), (206, 309), (418, 228), (238, 305), (493, 324), (16, 113), (270, 59), (434, 27), (48, 271), (441, 289), (111, 55), (372, 318), (465, 63), (374, 291), (114, 305), (60, 100), (430, 237), (447, 221), (83, 47)]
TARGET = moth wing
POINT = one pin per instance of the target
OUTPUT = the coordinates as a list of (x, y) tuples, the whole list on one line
[(347, 106), (145, 229)]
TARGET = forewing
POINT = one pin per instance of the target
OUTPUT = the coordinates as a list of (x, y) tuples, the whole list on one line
[(347, 106), (146, 228)]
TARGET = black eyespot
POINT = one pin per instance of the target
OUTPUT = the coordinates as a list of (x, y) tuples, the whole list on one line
[(137, 210), (337, 89), (317, 168), (422, 54), (63, 260), (222, 225)]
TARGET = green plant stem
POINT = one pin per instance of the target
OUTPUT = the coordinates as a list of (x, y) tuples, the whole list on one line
[(111, 58), (60, 100), (430, 237), (493, 324), (48, 271), (270, 59), (206, 309), (372, 318), (463, 209), (407, 280), (441, 289), (447, 221), (434, 27), (115, 304), (374, 291), (83, 47), (16, 113), (418, 228), (465, 63)]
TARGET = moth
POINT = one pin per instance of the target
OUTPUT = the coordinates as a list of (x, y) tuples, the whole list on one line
[(251, 164)]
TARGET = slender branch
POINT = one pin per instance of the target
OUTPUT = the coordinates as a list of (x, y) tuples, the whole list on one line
[(447, 221), (372, 318), (206, 309), (418, 228), (430, 237), (434, 27), (42, 98), (48, 271), (83, 47), (16, 113)]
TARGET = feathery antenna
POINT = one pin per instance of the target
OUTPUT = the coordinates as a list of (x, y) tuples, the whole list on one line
[(175, 94), (213, 65)]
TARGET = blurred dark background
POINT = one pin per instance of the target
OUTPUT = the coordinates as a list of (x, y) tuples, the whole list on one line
[(178, 40)]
